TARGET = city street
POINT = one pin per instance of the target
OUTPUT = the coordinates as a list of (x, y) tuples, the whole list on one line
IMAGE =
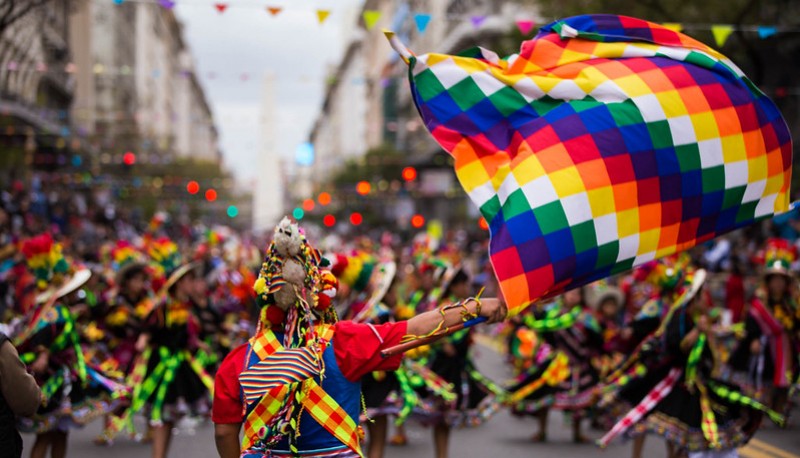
[(504, 436)]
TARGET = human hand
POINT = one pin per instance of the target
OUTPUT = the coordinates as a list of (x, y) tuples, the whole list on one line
[(494, 310)]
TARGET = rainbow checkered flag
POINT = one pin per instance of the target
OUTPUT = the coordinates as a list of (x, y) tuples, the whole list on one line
[(605, 143)]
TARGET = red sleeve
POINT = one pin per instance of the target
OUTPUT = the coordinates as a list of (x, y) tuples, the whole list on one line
[(227, 406), (358, 347)]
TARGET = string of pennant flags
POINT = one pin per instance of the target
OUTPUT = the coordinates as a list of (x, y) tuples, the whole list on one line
[(526, 25)]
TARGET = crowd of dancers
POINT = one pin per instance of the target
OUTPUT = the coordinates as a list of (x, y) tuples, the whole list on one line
[(137, 329)]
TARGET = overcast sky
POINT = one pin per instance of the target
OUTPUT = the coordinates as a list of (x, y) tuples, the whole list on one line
[(247, 40)]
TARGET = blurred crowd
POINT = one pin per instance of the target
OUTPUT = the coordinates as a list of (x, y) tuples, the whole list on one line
[(118, 316)]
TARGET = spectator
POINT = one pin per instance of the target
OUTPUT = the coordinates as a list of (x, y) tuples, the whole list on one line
[(19, 396)]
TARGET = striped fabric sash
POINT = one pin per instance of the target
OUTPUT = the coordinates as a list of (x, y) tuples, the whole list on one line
[(283, 367), (647, 404), (269, 382)]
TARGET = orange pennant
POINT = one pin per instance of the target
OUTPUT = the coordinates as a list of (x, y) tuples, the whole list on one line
[(274, 10)]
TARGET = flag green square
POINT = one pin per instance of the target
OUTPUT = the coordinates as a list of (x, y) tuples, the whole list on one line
[(516, 204), (688, 157), (584, 236), (466, 93), (747, 212), (490, 208), (551, 217), (428, 85), (623, 266), (660, 134), (607, 254), (507, 100), (625, 113), (733, 197), (713, 179)]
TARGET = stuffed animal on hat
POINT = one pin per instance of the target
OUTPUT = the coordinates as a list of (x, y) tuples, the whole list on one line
[(289, 243)]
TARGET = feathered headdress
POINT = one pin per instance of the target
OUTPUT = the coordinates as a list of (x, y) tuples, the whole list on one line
[(778, 256), (45, 261)]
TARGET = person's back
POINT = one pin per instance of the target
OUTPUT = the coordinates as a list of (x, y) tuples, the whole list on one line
[(19, 396)]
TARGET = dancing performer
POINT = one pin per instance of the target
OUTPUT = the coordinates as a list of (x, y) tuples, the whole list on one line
[(73, 392), (766, 359), (129, 304), (298, 379), (565, 375), (681, 397), (173, 383)]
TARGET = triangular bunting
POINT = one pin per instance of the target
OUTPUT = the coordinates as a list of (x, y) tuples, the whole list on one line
[(221, 7), (674, 26), (525, 26), (168, 4), (422, 21), (118, 2), (477, 21), (371, 17), (274, 10), (322, 15), (766, 31), (721, 33)]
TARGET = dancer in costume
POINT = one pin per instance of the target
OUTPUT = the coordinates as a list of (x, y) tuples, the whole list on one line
[(680, 395), (130, 303), (298, 379), (73, 392), (565, 375), (174, 382), (766, 359), (452, 361)]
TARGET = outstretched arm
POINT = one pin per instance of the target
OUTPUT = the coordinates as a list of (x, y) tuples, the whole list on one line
[(493, 310)]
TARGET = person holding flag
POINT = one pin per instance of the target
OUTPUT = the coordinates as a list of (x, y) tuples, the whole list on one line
[(295, 386)]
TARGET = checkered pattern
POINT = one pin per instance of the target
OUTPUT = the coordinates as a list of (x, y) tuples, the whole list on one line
[(709, 421), (607, 142), (267, 407), (320, 405), (647, 404), (328, 413)]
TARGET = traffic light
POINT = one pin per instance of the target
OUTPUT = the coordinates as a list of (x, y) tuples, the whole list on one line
[(129, 158)]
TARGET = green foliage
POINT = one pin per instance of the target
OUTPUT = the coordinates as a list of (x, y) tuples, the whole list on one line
[(381, 163)]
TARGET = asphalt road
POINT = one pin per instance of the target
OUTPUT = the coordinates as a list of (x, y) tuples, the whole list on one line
[(504, 436)]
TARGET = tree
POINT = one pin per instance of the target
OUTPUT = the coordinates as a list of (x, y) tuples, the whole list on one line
[(13, 10)]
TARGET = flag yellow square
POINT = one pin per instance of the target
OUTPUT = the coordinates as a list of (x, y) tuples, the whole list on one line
[(567, 181), (733, 148), (705, 126), (527, 169), (628, 222), (602, 201)]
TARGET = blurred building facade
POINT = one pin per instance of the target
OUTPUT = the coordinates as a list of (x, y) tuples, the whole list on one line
[(83, 82), (368, 103)]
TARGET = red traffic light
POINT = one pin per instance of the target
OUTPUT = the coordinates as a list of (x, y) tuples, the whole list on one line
[(409, 174), (129, 158), (211, 195), (193, 187), (329, 220)]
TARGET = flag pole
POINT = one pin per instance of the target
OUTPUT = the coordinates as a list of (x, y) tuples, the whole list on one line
[(412, 344)]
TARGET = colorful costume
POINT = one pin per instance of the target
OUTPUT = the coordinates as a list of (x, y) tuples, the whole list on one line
[(675, 392), (171, 382), (775, 324), (74, 392), (298, 379)]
